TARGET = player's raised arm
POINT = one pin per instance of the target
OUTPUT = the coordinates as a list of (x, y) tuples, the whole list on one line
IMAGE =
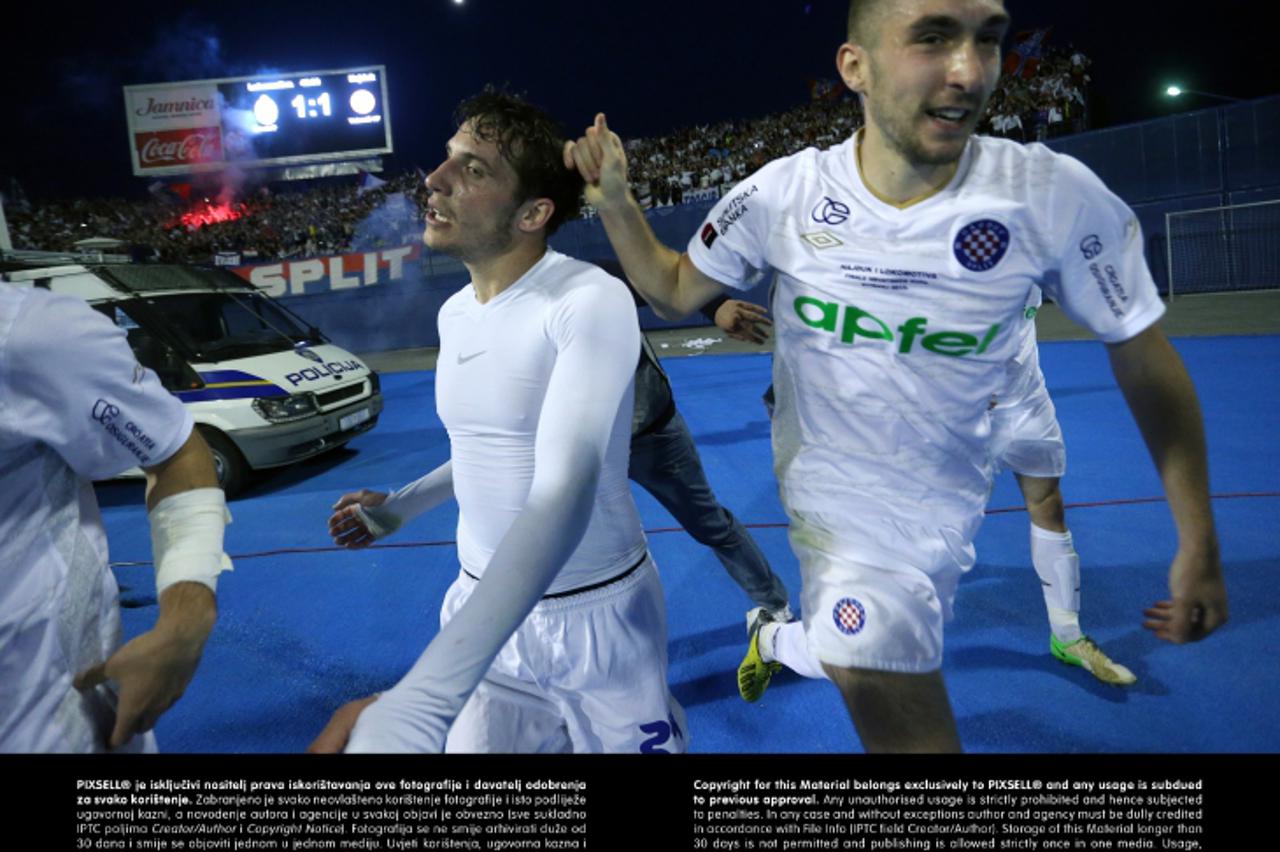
[(667, 279), (1164, 404)]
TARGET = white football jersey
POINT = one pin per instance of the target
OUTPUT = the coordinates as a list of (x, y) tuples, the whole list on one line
[(74, 406), (895, 326)]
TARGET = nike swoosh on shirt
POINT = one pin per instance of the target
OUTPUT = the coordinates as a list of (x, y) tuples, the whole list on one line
[(462, 360)]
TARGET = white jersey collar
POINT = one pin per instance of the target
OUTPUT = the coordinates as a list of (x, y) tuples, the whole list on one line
[(850, 172)]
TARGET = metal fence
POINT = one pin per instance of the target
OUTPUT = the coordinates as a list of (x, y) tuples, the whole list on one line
[(1217, 249)]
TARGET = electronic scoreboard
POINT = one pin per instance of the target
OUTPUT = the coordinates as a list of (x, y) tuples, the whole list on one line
[(266, 120)]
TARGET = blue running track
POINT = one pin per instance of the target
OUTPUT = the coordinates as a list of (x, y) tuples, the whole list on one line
[(304, 627)]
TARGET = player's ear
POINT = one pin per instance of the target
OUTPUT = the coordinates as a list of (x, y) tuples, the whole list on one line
[(851, 64), (536, 214)]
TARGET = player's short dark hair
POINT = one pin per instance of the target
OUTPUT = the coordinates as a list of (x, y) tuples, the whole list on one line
[(532, 142), (858, 30)]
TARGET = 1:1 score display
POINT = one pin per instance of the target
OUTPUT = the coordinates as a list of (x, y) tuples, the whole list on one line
[(307, 107)]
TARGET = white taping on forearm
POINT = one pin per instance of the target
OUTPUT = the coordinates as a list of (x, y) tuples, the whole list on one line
[(378, 521), (186, 538)]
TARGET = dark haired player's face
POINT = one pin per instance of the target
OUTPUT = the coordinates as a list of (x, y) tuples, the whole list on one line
[(931, 68), (472, 206)]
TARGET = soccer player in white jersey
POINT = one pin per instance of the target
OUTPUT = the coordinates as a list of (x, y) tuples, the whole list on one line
[(1026, 439), (76, 406), (553, 638), (904, 258)]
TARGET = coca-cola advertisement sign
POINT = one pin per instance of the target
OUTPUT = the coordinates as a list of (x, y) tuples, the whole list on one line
[(169, 148)]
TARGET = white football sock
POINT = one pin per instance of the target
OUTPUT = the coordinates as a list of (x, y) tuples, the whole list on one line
[(1058, 567), (786, 644)]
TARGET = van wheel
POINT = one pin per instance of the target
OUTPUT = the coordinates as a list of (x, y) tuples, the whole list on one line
[(229, 464)]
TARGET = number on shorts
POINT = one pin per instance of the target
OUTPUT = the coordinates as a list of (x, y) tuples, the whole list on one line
[(661, 733)]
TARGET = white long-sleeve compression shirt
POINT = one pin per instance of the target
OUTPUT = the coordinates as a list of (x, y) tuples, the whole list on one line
[(534, 388)]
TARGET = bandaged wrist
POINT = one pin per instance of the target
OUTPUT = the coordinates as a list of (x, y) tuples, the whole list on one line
[(186, 538)]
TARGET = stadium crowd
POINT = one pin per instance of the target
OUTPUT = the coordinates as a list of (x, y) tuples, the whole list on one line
[(1049, 102), (1039, 101), (264, 225), (666, 169)]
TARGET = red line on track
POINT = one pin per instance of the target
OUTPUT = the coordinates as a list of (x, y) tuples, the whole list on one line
[(1131, 501)]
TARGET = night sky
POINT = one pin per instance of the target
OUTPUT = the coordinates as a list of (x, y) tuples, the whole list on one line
[(653, 65)]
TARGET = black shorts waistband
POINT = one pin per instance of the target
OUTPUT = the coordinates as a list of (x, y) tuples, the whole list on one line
[(581, 589)]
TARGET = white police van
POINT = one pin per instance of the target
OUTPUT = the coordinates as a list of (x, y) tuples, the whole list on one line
[(265, 389)]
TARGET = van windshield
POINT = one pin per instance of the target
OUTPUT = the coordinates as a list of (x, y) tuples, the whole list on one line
[(221, 326)]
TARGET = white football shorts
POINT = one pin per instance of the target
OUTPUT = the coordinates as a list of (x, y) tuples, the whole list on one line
[(876, 595), (1025, 435), (584, 673)]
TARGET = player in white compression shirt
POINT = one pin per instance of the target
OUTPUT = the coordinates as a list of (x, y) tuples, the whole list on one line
[(553, 637), (904, 258), (75, 405)]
